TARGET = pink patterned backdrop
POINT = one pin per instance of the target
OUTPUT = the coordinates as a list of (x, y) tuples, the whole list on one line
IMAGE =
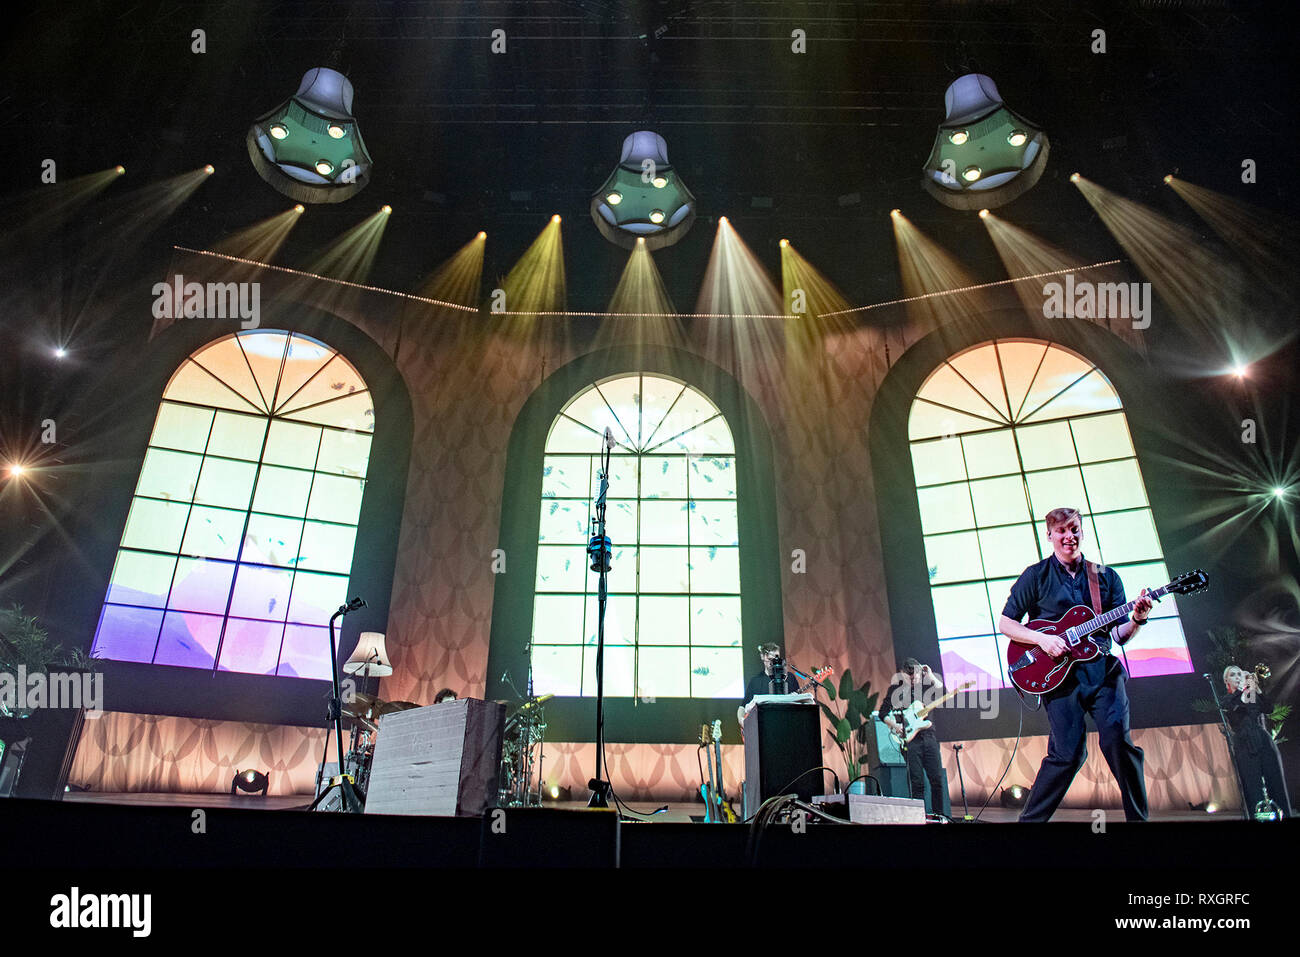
[(468, 376)]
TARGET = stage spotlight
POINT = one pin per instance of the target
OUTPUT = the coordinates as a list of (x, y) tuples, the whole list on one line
[(386, 209), (984, 214), (310, 147), (1169, 179), (784, 243), (1211, 808), (120, 170), (644, 197), (1240, 370), (16, 470), (251, 782), (1014, 796), (640, 240), (481, 235), (299, 207), (999, 154), (60, 352), (209, 169), (1074, 177), (1279, 492)]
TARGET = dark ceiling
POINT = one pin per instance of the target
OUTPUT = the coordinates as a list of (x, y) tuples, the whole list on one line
[(455, 130)]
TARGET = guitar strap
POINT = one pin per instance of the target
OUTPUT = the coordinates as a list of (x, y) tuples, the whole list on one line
[(1094, 588)]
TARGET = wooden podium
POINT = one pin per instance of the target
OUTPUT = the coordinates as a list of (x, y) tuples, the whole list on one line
[(443, 760), (782, 741)]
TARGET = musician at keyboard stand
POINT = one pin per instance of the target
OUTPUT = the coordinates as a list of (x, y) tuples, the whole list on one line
[(917, 683), (766, 682), (1048, 589)]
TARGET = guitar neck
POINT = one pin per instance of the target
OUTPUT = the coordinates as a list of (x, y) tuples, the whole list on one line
[(1122, 612)]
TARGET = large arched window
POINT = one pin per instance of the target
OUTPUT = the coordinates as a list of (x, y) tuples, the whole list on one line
[(238, 545), (673, 623), (1000, 434)]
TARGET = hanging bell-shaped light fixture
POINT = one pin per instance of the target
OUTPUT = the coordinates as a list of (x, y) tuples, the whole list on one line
[(984, 155), (310, 147), (644, 198)]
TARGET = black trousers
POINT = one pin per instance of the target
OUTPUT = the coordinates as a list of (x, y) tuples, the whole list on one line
[(1261, 767), (1093, 688), (922, 762)]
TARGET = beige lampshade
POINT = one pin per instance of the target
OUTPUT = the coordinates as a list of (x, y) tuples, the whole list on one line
[(369, 658)]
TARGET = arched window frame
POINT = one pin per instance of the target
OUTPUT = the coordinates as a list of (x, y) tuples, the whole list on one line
[(960, 398), (274, 404)]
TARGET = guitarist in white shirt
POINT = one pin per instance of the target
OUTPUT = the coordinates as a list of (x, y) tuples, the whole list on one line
[(917, 683)]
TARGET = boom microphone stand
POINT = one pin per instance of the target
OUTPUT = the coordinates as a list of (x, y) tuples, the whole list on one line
[(344, 782), (599, 551), (1232, 750)]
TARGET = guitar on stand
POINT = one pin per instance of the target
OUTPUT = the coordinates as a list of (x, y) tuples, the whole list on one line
[(717, 809), (1033, 671)]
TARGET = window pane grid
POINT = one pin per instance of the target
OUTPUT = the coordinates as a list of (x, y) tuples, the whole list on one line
[(231, 605), (678, 503), (970, 519)]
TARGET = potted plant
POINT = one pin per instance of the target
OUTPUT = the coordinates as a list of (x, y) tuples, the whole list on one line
[(849, 713)]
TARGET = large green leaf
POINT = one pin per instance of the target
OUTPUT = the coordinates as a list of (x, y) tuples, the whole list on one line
[(842, 731), (846, 683), (830, 688), (830, 715)]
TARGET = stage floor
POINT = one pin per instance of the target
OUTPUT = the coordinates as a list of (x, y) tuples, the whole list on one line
[(676, 813)]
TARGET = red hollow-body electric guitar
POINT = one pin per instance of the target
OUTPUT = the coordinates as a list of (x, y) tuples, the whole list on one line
[(1034, 671)]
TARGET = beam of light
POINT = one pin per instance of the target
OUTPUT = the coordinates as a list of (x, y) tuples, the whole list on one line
[(927, 268), (1201, 290), (37, 213), (120, 224), (1025, 255), (328, 279), (534, 286), (536, 282), (1232, 486), (261, 241), (736, 283), (351, 256), (640, 312), (1266, 241), (457, 280)]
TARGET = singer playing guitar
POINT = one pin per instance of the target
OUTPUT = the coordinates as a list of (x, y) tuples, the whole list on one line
[(1046, 590)]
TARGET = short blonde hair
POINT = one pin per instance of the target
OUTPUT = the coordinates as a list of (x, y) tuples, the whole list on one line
[(1059, 516), (1228, 670)]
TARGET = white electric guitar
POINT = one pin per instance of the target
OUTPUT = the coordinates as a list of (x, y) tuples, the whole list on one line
[(914, 718)]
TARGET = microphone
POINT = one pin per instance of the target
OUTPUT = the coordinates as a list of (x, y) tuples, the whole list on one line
[(609, 438), (356, 603)]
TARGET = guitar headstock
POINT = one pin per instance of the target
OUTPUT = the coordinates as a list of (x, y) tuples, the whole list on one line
[(1190, 583), (705, 738), (717, 730)]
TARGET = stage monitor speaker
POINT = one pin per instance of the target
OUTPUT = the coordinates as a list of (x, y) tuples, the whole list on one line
[(782, 742), (443, 759), (881, 749), (869, 809)]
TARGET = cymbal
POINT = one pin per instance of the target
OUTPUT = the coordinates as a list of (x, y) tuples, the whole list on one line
[(360, 705), (389, 707)]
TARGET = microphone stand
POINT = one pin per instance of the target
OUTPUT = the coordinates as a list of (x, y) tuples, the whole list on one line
[(344, 782), (1232, 750), (965, 808), (599, 550)]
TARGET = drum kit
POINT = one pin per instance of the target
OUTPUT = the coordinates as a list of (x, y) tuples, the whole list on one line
[(521, 754), (362, 714)]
